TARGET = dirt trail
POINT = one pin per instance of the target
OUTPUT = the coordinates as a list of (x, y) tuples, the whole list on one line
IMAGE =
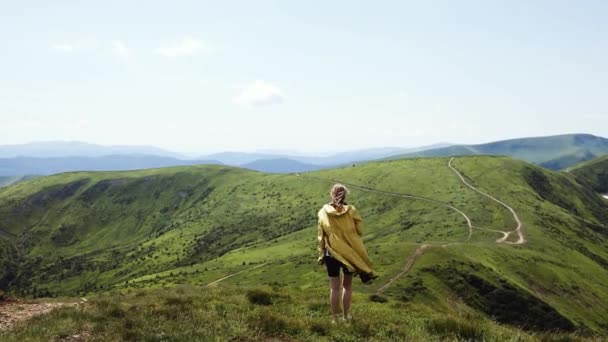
[(233, 274), (396, 194), (418, 252), (411, 259), (408, 265), (521, 239)]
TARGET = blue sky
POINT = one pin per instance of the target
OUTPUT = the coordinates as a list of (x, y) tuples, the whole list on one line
[(203, 76)]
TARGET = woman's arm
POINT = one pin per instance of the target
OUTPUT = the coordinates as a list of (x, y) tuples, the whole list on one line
[(358, 221), (321, 241)]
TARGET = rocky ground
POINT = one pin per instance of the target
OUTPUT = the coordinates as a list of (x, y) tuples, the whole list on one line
[(13, 311)]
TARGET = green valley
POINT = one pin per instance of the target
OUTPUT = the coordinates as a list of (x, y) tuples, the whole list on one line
[(444, 239)]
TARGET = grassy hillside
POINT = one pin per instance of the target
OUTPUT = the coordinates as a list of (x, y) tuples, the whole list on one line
[(87, 233), (553, 152), (277, 313), (593, 174)]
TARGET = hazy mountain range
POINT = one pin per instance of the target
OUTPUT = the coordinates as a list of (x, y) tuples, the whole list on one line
[(50, 149), (44, 158), (47, 166)]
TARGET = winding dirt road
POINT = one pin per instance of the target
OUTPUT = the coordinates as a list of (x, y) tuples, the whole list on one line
[(420, 250), (406, 268), (396, 194), (521, 239), (233, 274), (411, 259)]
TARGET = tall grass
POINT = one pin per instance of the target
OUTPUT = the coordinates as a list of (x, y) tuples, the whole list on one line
[(257, 314)]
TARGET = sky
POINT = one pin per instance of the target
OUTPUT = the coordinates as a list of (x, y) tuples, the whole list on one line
[(209, 76)]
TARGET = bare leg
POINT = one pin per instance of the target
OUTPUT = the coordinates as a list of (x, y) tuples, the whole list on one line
[(334, 297), (347, 293)]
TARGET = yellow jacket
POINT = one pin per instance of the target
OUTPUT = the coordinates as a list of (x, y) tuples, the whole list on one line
[(340, 233)]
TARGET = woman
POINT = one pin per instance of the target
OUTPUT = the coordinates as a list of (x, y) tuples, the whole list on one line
[(340, 246)]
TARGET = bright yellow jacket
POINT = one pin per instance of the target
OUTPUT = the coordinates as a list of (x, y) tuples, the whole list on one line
[(340, 233)]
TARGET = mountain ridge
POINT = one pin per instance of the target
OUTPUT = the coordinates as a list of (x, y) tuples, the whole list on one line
[(553, 152), (60, 148), (153, 228)]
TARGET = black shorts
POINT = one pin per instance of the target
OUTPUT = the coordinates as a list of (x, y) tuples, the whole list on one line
[(333, 267)]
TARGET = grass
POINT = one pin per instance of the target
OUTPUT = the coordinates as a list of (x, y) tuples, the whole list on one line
[(91, 233), (188, 313)]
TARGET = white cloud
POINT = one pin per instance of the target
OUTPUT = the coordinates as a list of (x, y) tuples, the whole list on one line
[(121, 51), (187, 46), (259, 93), (63, 47)]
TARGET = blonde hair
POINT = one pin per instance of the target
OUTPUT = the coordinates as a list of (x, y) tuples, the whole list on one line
[(338, 195)]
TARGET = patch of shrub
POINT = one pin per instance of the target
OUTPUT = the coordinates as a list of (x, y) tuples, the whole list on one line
[(462, 330), (116, 312), (130, 335), (65, 235), (363, 329), (414, 288), (179, 301), (378, 298), (170, 312), (241, 338), (319, 307), (321, 329), (557, 338), (271, 324), (259, 297)]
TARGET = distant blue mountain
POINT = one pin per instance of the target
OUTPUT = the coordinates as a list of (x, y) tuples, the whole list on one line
[(48, 166), (44, 158), (242, 159), (47, 149), (280, 165)]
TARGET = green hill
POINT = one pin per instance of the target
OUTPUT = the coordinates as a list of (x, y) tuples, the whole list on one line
[(593, 174), (552, 152), (96, 232)]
